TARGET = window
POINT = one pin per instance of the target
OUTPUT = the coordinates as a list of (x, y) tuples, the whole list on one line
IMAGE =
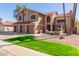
[(15, 29), (48, 18), (33, 16), (20, 17), (48, 27)]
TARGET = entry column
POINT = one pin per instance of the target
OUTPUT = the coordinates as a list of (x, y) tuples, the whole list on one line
[(51, 23), (18, 28), (25, 28)]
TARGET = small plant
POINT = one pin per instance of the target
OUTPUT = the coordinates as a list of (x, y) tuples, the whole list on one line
[(62, 36)]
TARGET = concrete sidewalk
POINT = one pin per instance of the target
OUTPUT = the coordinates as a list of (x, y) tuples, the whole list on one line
[(10, 49)]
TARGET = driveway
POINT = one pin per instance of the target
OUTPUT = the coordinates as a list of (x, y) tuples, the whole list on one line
[(9, 49), (5, 35)]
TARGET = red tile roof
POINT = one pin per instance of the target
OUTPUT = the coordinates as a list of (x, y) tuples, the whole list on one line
[(7, 23)]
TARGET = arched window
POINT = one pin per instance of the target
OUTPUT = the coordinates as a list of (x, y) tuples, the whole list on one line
[(48, 18), (20, 17)]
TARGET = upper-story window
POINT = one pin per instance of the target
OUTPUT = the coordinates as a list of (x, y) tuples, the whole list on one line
[(48, 18), (20, 17), (33, 16)]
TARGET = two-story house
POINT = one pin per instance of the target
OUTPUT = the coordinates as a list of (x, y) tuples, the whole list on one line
[(31, 21)]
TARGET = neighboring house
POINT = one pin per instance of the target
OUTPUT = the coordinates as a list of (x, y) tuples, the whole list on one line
[(77, 26), (78, 29), (6, 26), (31, 21), (1, 27)]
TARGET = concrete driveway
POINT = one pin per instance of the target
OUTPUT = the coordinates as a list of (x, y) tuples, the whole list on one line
[(9, 49), (5, 35), (12, 49)]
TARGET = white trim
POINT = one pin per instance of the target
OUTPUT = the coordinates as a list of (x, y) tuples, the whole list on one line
[(18, 18)]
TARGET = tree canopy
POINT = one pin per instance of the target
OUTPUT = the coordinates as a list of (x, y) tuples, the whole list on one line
[(19, 7)]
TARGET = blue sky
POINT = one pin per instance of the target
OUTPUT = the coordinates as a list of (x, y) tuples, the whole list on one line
[(6, 9)]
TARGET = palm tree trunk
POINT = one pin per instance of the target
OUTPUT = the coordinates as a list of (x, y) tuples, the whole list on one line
[(64, 17), (74, 14)]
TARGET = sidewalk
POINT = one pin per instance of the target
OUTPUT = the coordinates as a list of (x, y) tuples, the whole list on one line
[(10, 49)]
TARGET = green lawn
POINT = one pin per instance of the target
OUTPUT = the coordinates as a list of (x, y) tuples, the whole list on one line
[(51, 48)]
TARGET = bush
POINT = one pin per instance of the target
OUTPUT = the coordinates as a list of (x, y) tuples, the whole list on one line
[(62, 36)]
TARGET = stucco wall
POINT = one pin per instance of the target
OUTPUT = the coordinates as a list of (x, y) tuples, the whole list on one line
[(77, 29), (8, 28), (2, 28), (39, 22)]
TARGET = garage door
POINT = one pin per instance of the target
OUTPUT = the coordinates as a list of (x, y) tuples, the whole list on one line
[(30, 29)]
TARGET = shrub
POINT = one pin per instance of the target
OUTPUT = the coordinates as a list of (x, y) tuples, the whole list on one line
[(62, 36)]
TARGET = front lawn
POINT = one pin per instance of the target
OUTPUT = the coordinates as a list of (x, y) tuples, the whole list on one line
[(51, 48)]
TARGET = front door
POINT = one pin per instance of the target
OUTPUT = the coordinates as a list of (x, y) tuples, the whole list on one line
[(60, 23), (14, 28)]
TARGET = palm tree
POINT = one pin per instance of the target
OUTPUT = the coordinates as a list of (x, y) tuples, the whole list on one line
[(0, 19), (64, 16), (74, 14), (20, 8)]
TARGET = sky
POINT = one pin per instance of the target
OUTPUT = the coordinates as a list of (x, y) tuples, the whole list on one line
[(7, 14)]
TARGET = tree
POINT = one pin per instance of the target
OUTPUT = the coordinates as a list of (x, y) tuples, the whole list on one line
[(64, 16), (19, 7), (0, 19), (74, 15)]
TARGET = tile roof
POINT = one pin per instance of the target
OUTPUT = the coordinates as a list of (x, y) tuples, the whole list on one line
[(7, 23)]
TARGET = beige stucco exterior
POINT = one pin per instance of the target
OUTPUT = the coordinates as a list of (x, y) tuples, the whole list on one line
[(8, 28), (40, 23), (30, 25), (4, 28)]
